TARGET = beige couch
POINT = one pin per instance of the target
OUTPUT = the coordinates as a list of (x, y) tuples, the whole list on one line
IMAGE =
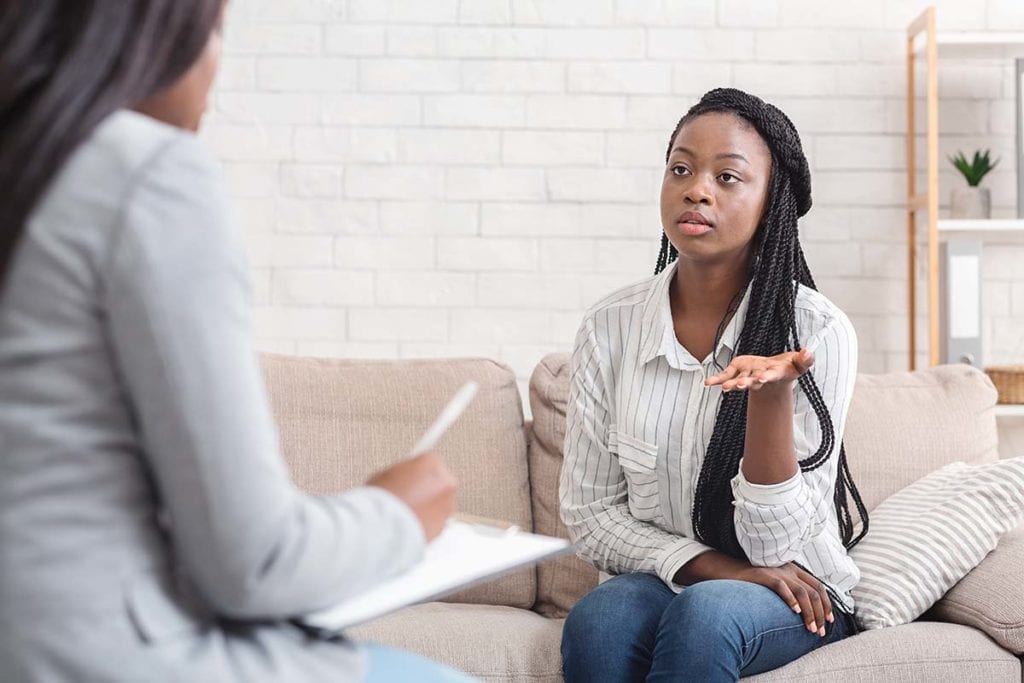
[(342, 420)]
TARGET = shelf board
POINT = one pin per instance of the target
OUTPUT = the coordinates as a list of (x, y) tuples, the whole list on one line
[(977, 44), (990, 230), (1010, 410)]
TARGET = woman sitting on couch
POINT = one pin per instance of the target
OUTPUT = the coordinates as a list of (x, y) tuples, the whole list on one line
[(703, 458)]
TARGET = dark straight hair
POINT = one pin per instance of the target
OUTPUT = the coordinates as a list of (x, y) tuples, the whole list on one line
[(65, 65)]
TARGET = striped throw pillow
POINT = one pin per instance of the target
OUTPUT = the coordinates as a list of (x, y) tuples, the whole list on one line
[(926, 537)]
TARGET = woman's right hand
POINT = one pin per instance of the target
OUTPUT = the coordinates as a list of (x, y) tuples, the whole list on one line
[(802, 592), (426, 485)]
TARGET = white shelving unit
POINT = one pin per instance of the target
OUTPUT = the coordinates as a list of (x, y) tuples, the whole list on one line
[(1010, 410), (926, 43), (997, 230), (994, 229), (978, 44)]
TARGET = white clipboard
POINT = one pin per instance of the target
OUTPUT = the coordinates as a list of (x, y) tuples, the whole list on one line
[(464, 555)]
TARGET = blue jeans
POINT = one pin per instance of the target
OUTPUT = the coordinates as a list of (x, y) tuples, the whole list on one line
[(388, 665), (634, 628)]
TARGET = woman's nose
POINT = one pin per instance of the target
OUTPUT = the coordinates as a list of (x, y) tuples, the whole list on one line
[(697, 192)]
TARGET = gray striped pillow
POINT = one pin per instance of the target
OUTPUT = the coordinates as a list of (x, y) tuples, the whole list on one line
[(926, 537)]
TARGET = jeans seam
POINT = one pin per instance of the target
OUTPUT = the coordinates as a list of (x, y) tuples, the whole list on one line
[(759, 636)]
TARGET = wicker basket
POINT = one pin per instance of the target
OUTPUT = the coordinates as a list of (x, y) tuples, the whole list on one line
[(1009, 381)]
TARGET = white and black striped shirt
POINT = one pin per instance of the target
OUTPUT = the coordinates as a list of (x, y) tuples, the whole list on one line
[(639, 423)]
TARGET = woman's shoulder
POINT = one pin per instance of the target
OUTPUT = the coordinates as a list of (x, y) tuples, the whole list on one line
[(127, 143), (101, 174), (815, 313), (624, 298), (135, 184)]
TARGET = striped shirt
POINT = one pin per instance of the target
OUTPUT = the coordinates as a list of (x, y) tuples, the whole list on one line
[(639, 423)]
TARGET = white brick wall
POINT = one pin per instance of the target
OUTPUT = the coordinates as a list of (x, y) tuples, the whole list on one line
[(465, 177)]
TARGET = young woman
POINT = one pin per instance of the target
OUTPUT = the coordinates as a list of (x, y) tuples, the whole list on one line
[(704, 465), (148, 528)]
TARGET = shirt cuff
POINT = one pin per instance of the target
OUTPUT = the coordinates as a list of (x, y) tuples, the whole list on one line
[(674, 556), (780, 493)]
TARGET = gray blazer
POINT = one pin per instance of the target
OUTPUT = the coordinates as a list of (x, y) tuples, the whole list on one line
[(148, 528)]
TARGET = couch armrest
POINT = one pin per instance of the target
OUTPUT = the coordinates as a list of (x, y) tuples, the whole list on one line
[(991, 597)]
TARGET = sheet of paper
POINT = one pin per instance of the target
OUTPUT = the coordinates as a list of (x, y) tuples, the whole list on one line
[(464, 554)]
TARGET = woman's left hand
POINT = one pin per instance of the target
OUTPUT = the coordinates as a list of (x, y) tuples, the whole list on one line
[(755, 372)]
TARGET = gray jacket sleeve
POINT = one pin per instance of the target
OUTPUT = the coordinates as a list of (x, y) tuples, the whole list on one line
[(177, 307)]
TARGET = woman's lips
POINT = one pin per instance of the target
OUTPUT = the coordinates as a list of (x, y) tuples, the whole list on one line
[(693, 229)]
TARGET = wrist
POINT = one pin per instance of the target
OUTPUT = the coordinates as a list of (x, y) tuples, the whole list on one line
[(773, 389), (773, 394), (708, 566)]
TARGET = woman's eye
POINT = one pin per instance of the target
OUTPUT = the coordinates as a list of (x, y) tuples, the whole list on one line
[(729, 178), (680, 170)]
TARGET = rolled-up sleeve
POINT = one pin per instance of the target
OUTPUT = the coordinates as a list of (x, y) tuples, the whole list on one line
[(775, 522), (593, 492)]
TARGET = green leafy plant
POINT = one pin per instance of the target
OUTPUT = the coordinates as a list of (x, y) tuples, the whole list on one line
[(976, 169)]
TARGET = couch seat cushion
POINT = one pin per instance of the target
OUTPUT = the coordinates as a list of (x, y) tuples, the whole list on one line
[(489, 642), (921, 651)]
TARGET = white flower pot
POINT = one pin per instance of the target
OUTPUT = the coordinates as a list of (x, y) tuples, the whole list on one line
[(970, 203)]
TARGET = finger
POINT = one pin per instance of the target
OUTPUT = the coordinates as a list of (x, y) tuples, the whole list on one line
[(772, 374), (738, 384), (803, 596), (819, 609), (826, 600), (781, 589), (741, 380), (723, 376), (746, 382)]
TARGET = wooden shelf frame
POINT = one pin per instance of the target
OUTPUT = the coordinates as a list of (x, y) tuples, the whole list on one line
[(976, 44), (929, 199)]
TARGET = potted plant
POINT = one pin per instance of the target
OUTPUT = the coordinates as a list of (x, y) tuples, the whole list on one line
[(972, 201)]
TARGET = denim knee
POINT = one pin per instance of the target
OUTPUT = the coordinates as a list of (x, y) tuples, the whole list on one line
[(619, 611), (705, 608)]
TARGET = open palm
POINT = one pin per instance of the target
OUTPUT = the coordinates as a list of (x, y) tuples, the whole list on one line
[(754, 372)]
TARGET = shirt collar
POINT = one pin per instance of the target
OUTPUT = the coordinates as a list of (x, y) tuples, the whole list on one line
[(657, 334)]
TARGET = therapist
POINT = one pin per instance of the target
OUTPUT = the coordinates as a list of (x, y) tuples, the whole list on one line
[(148, 528)]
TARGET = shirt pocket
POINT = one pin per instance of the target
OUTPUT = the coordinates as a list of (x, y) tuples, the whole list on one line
[(638, 460)]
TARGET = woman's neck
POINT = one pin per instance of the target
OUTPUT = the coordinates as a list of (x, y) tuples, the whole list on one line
[(699, 298), (706, 290)]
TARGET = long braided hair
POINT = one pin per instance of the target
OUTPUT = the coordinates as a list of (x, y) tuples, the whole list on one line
[(777, 271)]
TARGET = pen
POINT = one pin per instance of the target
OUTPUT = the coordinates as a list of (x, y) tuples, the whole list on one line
[(451, 412)]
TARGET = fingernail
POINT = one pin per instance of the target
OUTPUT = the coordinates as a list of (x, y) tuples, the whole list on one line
[(821, 631), (796, 608), (813, 627), (831, 619)]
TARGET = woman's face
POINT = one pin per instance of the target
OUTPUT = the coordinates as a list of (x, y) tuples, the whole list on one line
[(183, 103), (715, 186)]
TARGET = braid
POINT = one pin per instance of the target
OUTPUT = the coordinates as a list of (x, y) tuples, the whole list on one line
[(666, 255), (769, 328)]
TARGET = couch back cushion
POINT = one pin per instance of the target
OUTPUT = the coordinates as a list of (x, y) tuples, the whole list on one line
[(340, 421), (561, 582), (901, 426)]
